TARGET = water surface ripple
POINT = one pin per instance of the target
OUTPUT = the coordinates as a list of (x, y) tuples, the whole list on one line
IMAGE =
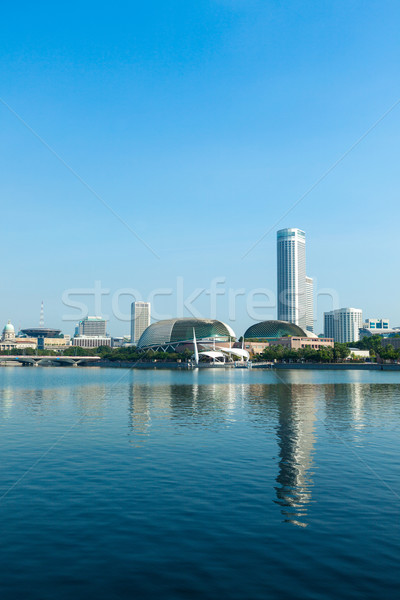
[(206, 484)]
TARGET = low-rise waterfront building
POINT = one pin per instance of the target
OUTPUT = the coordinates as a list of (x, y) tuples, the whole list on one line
[(255, 347), (88, 341), (297, 343), (9, 341), (357, 353), (291, 343), (57, 343)]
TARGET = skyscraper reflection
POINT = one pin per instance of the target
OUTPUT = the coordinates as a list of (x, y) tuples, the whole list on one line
[(296, 440)]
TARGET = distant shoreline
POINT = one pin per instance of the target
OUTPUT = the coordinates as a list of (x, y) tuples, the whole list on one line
[(183, 366)]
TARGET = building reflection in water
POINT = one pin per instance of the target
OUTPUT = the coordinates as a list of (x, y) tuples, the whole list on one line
[(296, 440), (344, 405), (287, 410), (191, 405), (91, 404), (6, 402), (140, 411)]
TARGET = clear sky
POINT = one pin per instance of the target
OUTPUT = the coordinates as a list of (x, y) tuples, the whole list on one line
[(200, 124)]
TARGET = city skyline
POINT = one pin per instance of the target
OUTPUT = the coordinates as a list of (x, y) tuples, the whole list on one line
[(146, 127), (199, 317), (295, 300)]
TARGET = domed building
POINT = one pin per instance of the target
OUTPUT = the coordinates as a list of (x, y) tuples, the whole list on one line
[(168, 334), (9, 341), (274, 329), (273, 333), (8, 333)]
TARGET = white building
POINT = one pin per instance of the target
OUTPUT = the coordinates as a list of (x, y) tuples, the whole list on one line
[(91, 341), (343, 324), (291, 272), (310, 303), (140, 319), (8, 333), (92, 326), (10, 342), (378, 325), (356, 353)]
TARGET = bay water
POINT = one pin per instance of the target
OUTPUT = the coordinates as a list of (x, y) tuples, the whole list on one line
[(203, 484)]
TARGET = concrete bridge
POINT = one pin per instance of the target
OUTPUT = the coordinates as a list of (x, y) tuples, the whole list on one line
[(50, 361)]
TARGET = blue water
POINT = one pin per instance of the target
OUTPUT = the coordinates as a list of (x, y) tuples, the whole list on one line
[(212, 484)]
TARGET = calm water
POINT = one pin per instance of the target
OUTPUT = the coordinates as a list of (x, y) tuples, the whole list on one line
[(210, 484)]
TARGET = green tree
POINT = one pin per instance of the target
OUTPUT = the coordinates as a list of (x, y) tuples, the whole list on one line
[(78, 351), (389, 353), (340, 351)]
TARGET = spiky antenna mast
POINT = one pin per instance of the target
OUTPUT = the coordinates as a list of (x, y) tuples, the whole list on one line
[(41, 321)]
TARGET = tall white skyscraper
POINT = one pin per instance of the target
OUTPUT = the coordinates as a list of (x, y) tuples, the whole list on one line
[(291, 254), (140, 319), (310, 303), (343, 324)]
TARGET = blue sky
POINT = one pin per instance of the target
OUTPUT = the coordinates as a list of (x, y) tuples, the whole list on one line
[(200, 124)]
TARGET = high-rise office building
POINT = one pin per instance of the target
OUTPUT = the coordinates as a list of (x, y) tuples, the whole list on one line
[(343, 324), (329, 325), (92, 326), (140, 319), (310, 304), (291, 271)]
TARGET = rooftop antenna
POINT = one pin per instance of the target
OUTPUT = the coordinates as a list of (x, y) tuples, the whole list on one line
[(41, 320)]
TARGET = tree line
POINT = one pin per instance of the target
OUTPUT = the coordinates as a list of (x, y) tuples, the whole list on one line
[(374, 345), (272, 353)]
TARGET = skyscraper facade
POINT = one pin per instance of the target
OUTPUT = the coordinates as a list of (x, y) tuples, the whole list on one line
[(291, 272), (140, 319), (329, 325), (343, 324), (310, 304)]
